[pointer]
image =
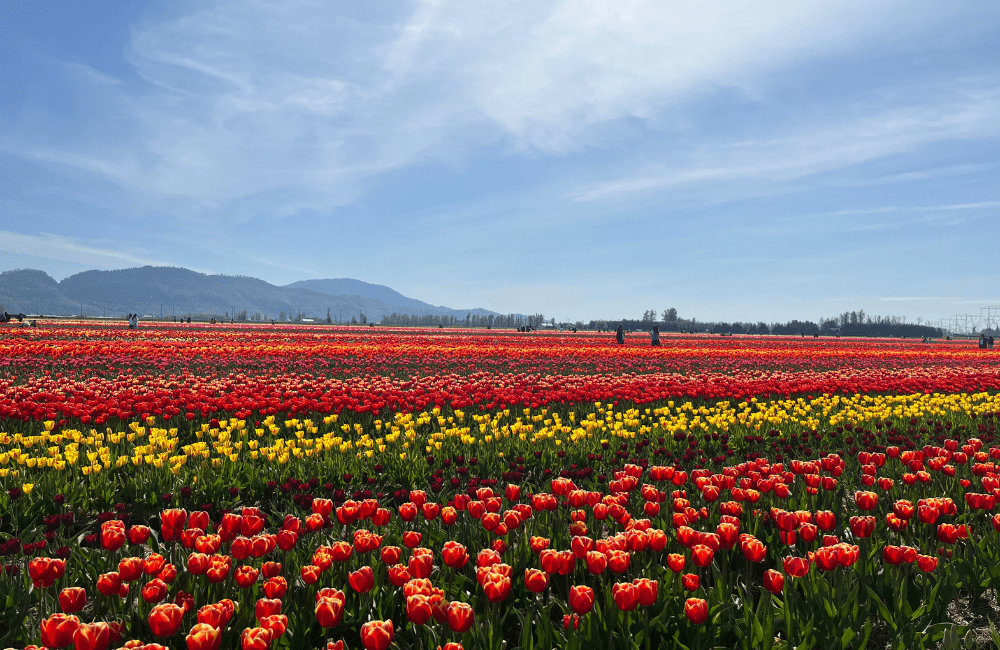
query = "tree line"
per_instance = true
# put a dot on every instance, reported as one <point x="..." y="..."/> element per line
<point x="510" y="321"/>
<point x="852" y="323"/>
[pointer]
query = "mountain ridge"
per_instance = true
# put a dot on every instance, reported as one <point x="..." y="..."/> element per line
<point x="152" y="290"/>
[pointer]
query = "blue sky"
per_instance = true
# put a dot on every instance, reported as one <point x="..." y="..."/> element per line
<point x="736" y="160"/>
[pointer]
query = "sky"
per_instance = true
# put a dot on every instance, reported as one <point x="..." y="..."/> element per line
<point x="735" y="160"/>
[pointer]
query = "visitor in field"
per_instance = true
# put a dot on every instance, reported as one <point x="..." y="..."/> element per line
<point x="620" y="335"/>
<point x="133" y="323"/>
<point x="982" y="341"/>
<point x="655" y="336"/>
<point x="989" y="343"/>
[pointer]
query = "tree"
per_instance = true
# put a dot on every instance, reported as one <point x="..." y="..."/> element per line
<point x="364" y="319"/>
<point x="670" y="315"/>
<point x="328" y="318"/>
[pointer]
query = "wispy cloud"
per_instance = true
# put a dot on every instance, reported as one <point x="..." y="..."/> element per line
<point x="961" y="111"/>
<point x="296" y="96"/>
<point x="57" y="248"/>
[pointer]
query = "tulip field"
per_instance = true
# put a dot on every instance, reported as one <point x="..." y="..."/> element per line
<point x="209" y="487"/>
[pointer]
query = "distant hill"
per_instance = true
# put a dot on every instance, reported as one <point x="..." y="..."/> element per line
<point x="168" y="290"/>
<point x="349" y="287"/>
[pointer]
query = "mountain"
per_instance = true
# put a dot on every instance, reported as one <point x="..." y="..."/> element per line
<point x="349" y="287"/>
<point x="176" y="291"/>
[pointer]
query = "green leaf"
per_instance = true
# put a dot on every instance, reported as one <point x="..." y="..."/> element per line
<point x="882" y="609"/>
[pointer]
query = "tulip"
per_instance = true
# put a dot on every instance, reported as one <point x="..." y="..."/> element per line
<point x="826" y="520"/>
<point x="165" y="619"/>
<point x="454" y="555"/>
<point x="691" y="581"/>
<point x="362" y="580"/>
<point x="866" y="500"/>
<point x="460" y="617"/>
<point x="753" y="550"/>
<point x="310" y="574"/>
<point x="625" y="595"/>
<point x="619" y="561"/>
<point x="696" y="610"/>
<point x="275" y="587"/>
<point x="92" y="636"/>
<point x="581" y="599"/>
<point x="330" y="610"/>
<point x="496" y="585"/>
<point x="212" y="615"/>
<point x="390" y="555"/>
<point x="676" y="562"/>
<point x="862" y="526"/>
<point x="418" y="609"/>
<point x="276" y="623"/>
<point x="109" y="583"/>
<point x="927" y="563"/>
<point x="154" y="591"/>
<point x="203" y="637"/>
<point x="646" y="590"/>
<point x="58" y="630"/>
<point x="256" y="638"/>
<point x="773" y="581"/>
<point x="796" y="567"/>
<point x="130" y="569"/>
<point x="72" y="599"/>
<point x="267" y="607"/>
<point x="537" y="581"/>
<point x="701" y="555"/>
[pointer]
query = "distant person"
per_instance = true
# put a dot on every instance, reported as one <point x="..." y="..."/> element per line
<point x="982" y="341"/>
<point x="989" y="343"/>
<point x="133" y="323"/>
<point x="5" y="318"/>
<point x="189" y="320"/>
<point x="620" y="335"/>
<point x="272" y="321"/>
<point x="654" y="336"/>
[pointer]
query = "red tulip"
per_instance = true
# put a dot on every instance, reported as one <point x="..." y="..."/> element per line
<point x="58" y="630"/>
<point x="362" y="580"/>
<point x="203" y="637"/>
<point x="796" y="567"/>
<point x="701" y="555"/>
<point x="256" y="638"/>
<point x="329" y="609"/>
<point x="496" y="585"/>
<point x="72" y="599"/>
<point x="460" y="617"/>
<point x="454" y="555"/>
<point x="92" y="636"/>
<point x="754" y="550"/>
<point x="154" y="591"/>
<point x="696" y="610"/>
<point x="774" y="581"/>
<point x="109" y="583"/>
<point x="581" y="599"/>
<point x="165" y="619"/>
<point x="536" y="581"/>
<point x="866" y="500"/>
<point x="245" y="576"/>
<point x="690" y="581"/>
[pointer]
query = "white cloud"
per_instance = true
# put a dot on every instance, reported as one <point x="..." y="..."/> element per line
<point x="248" y="98"/>
<point x="57" y="248"/>
<point x="964" y="110"/>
